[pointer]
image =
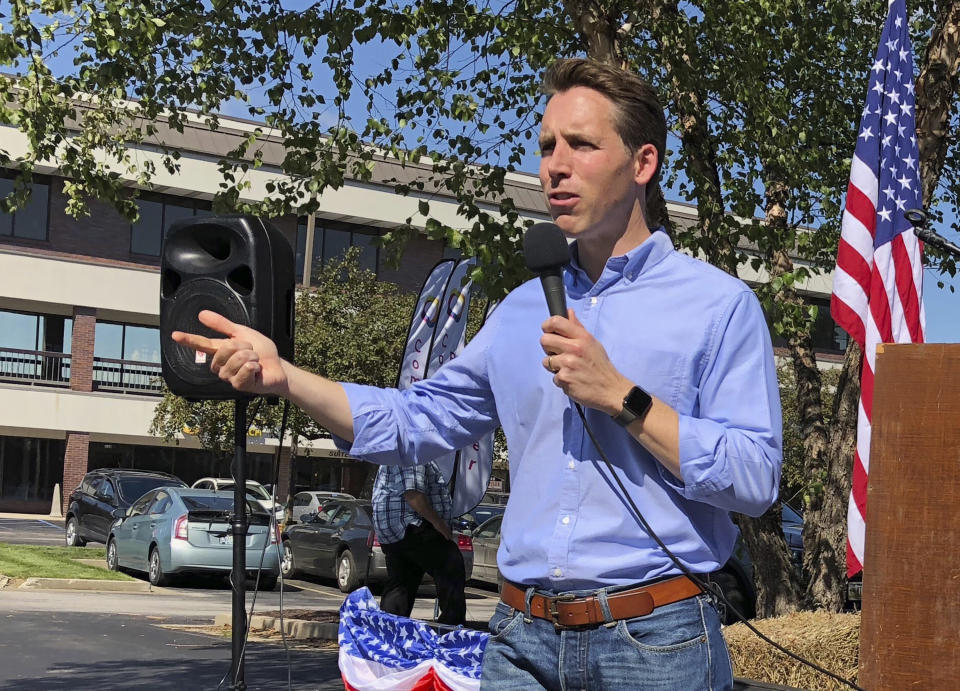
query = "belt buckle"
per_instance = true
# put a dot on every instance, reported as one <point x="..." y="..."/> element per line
<point x="553" y="610"/>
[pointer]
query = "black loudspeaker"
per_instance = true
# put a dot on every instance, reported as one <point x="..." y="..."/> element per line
<point x="238" y="266"/>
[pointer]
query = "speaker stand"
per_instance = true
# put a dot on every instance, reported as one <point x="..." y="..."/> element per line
<point x="238" y="576"/>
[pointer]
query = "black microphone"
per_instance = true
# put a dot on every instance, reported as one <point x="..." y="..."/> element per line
<point x="918" y="219"/>
<point x="546" y="252"/>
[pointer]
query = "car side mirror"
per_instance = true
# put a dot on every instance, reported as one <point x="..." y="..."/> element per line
<point x="119" y="513"/>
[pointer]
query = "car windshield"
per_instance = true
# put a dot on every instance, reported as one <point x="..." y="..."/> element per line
<point x="132" y="488"/>
<point x="253" y="491"/>
<point x="790" y="515"/>
<point x="218" y="503"/>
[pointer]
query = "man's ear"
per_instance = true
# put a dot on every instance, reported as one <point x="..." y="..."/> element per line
<point x="645" y="161"/>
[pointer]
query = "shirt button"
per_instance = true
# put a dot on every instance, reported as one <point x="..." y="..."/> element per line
<point x="593" y="301"/>
<point x="571" y="465"/>
<point x="557" y="572"/>
<point x="566" y="520"/>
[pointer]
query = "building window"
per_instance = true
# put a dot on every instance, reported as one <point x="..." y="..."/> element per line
<point x="332" y="238"/>
<point x="35" y="331"/>
<point x="188" y="464"/>
<point x="827" y="336"/>
<point x="29" y="469"/>
<point x="157" y="213"/>
<point x="127" y="342"/>
<point x="30" y="222"/>
<point x="126" y="357"/>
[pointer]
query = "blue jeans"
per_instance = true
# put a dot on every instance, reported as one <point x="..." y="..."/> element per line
<point x="677" y="647"/>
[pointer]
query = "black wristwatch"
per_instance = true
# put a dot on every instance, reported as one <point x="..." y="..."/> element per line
<point x="636" y="404"/>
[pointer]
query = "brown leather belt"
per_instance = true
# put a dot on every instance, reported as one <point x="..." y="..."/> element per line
<point x="572" y="612"/>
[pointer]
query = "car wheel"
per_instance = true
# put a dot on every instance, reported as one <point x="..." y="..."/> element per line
<point x="72" y="534"/>
<point x="736" y="595"/>
<point x="113" y="559"/>
<point x="155" y="573"/>
<point x="288" y="566"/>
<point x="347" y="577"/>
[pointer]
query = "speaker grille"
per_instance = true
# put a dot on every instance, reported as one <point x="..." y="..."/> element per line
<point x="205" y="294"/>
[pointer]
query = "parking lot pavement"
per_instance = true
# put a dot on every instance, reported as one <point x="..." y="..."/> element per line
<point x="103" y="651"/>
<point x="28" y="530"/>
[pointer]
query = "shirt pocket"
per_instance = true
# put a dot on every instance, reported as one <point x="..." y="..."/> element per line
<point x="660" y="372"/>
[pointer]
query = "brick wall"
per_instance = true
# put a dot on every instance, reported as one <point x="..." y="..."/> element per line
<point x="81" y="354"/>
<point x="74" y="463"/>
<point x="104" y="233"/>
<point x="419" y="256"/>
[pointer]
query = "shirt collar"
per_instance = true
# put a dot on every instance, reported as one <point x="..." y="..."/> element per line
<point x="629" y="266"/>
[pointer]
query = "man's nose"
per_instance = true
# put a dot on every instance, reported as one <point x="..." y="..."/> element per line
<point x="558" y="163"/>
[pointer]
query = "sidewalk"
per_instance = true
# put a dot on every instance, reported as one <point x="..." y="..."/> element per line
<point x="34" y="517"/>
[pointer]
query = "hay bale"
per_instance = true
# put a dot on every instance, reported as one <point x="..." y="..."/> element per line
<point x="830" y="640"/>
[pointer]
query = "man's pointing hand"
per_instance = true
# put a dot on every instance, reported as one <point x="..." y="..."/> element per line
<point x="246" y="359"/>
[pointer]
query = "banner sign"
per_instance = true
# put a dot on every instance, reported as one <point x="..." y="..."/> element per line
<point x="426" y="315"/>
<point x="438" y="332"/>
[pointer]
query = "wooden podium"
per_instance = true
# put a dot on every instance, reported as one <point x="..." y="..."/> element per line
<point x="910" y="626"/>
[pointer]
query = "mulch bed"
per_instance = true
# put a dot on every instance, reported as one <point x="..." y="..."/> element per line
<point x="828" y="639"/>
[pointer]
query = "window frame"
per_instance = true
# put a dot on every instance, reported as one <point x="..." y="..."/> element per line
<point x="45" y="181"/>
<point x="196" y="205"/>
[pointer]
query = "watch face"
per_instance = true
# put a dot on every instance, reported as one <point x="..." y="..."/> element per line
<point x="637" y="401"/>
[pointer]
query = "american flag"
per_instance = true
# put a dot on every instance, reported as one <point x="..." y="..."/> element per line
<point x="877" y="285"/>
<point x="386" y="652"/>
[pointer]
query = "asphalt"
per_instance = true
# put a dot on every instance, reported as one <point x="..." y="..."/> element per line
<point x="69" y="651"/>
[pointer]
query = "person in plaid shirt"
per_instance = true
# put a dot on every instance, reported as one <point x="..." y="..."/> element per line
<point x="411" y="514"/>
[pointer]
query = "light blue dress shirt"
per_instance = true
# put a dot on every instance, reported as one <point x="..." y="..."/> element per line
<point x="685" y="331"/>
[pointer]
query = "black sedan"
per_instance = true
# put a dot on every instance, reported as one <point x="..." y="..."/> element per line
<point x="339" y="543"/>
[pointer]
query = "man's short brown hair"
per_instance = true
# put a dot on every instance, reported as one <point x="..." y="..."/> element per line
<point x="638" y="117"/>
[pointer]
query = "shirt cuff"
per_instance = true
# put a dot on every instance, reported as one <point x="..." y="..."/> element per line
<point x="371" y="441"/>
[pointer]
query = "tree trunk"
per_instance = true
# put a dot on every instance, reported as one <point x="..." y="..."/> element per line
<point x="598" y="29"/>
<point x="935" y="91"/>
<point x="825" y="527"/>
<point x="776" y="579"/>
<point x="698" y="148"/>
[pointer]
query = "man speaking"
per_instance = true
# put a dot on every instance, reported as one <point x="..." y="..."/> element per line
<point x="671" y="363"/>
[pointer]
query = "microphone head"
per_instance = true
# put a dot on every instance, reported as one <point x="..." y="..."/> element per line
<point x="545" y="247"/>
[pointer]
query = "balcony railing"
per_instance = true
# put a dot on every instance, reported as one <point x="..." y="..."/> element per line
<point x="128" y="376"/>
<point x="45" y="368"/>
<point x="39" y="367"/>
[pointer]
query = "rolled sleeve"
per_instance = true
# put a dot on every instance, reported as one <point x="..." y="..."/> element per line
<point x="433" y="417"/>
<point x="731" y="450"/>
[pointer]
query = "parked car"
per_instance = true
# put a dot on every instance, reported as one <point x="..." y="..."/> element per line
<point x="255" y="491"/>
<point x="339" y="543"/>
<point x="471" y="520"/>
<point x="735" y="578"/>
<point x="105" y="494"/>
<point x="172" y="531"/>
<point x="486" y="542"/>
<point x="313" y="502"/>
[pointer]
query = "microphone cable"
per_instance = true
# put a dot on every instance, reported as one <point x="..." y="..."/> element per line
<point x="709" y="586"/>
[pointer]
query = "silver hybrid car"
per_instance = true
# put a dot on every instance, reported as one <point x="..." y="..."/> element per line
<point x="177" y="530"/>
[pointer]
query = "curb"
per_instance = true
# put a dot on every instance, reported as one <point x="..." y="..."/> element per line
<point x="87" y="584"/>
<point x="293" y="628"/>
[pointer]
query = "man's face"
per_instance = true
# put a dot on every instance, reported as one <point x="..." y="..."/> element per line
<point x="589" y="177"/>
